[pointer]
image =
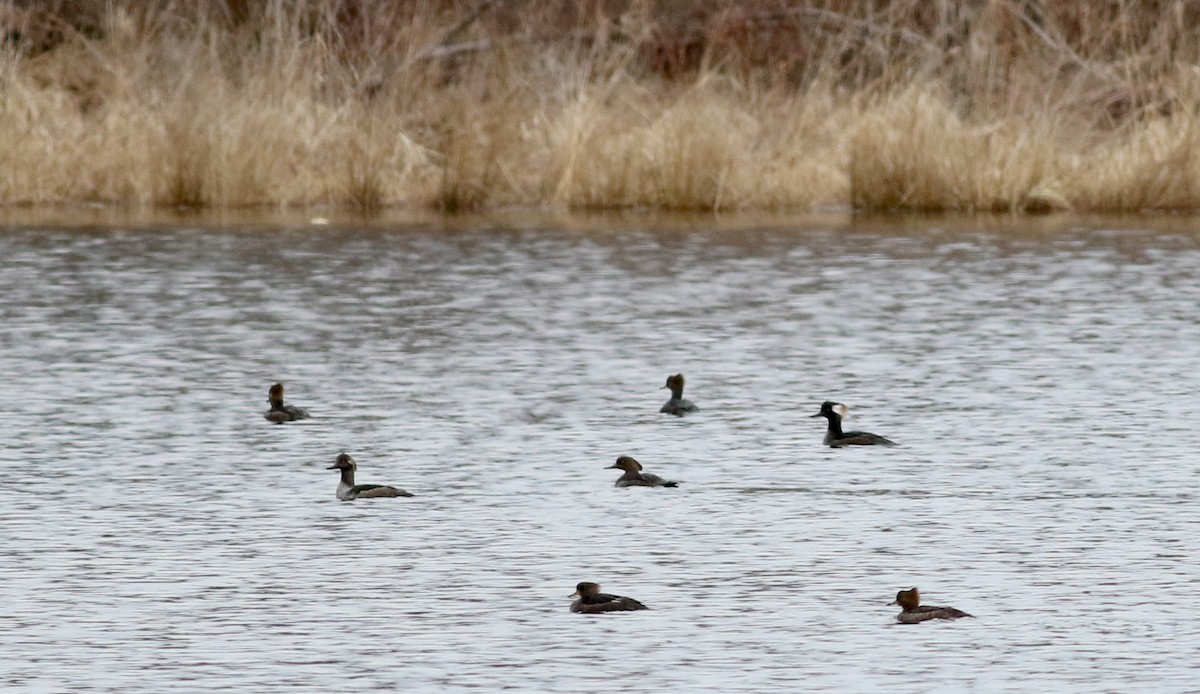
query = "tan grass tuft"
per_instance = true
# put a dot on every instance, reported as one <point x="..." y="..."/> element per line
<point x="913" y="152"/>
<point x="633" y="150"/>
<point x="1156" y="168"/>
<point x="705" y="149"/>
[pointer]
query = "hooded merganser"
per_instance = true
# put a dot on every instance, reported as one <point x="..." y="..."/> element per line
<point x="677" y="405"/>
<point x="634" y="477"/>
<point x="913" y="612"/>
<point x="279" y="412"/>
<point x="347" y="490"/>
<point x="592" y="601"/>
<point x="836" y="438"/>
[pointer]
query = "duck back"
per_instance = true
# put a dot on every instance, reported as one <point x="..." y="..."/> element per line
<point x="925" y="613"/>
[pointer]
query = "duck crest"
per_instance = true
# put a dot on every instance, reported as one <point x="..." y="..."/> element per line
<point x="627" y="463"/>
<point x="275" y="395"/>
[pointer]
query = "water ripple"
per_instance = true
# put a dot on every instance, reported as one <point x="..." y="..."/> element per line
<point x="158" y="532"/>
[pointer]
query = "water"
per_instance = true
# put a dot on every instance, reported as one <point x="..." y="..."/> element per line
<point x="158" y="532"/>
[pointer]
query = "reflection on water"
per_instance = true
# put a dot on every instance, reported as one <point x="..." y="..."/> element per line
<point x="158" y="531"/>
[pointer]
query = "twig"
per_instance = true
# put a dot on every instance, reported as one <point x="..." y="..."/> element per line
<point x="446" y="46"/>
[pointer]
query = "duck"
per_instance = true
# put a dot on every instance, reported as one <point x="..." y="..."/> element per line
<point x="592" y="601"/>
<point x="279" y="412"/>
<point x="347" y="490"/>
<point x="913" y="612"/>
<point x="677" y="405"/>
<point x="634" y="477"/>
<point x="836" y="438"/>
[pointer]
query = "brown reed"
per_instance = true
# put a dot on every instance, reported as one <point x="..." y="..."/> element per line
<point x="994" y="106"/>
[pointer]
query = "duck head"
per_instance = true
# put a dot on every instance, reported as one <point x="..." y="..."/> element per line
<point x="675" y="383"/>
<point x="831" y="409"/>
<point x="586" y="588"/>
<point x="907" y="599"/>
<point x="627" y="464"/>
<point x="275" y="395"/>
<point x="343" y="462"/>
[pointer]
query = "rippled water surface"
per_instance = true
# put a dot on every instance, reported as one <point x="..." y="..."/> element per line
<point x="158" y="533"/>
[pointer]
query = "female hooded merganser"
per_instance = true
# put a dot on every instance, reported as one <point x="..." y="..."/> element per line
<point x="347" y="490"/>
<point x="592" y="601"/>
<point x="677" y="405"/>
<point x="279" y="412"/>
<point x="913" y="612"/>
<point x="836" y="438"/>
<point x="634" y="477"/>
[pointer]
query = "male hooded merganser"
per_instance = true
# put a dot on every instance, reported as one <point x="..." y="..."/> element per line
<point x="279" y="412"/>
<point x="634" y="477"/>
<point x="913" y="612"/>
<point x="592" y="601"/>
<point x="347" y="490"/>
<point x="836" y="438"/>
<point x="677" y="405"/>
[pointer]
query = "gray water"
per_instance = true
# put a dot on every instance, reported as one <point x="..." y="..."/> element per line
<point x="157" y="534"/>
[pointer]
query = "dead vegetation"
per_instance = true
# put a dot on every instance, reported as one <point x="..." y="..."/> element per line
<point x="990" y="105"/>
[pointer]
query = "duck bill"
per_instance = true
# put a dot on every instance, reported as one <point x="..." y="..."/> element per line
<point x="819" y="414"/>
<point x="575" y="595"/>
<point x="333" y="467"/>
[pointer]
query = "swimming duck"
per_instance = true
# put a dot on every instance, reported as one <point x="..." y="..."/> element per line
<point x="592" y="601"/>
<point x="279" y="412"/>
<point x="347" y="490"/>
<point x="677" y="405"/>
<point x="634" y="477"/>
<point x="836" y="438"/>
<point x="913" y="612"/>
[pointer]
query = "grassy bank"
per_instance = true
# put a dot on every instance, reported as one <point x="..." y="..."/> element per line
<point x="473" y="104"/>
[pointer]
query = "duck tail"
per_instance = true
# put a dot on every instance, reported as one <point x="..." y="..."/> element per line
<point x="670" y="484"/>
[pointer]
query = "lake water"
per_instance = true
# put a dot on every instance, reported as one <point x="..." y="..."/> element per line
<point x="158" y="534"/>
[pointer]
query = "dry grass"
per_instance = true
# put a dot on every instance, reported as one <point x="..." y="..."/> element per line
<point x="702" y="149"/>
<point x="912" y="151"/>
<point x="460" y="105"/>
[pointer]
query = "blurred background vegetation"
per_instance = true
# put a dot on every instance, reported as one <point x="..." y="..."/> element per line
<point x="984" y="105"/>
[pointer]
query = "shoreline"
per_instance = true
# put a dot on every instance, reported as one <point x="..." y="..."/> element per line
<point x="93" y="217"/>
